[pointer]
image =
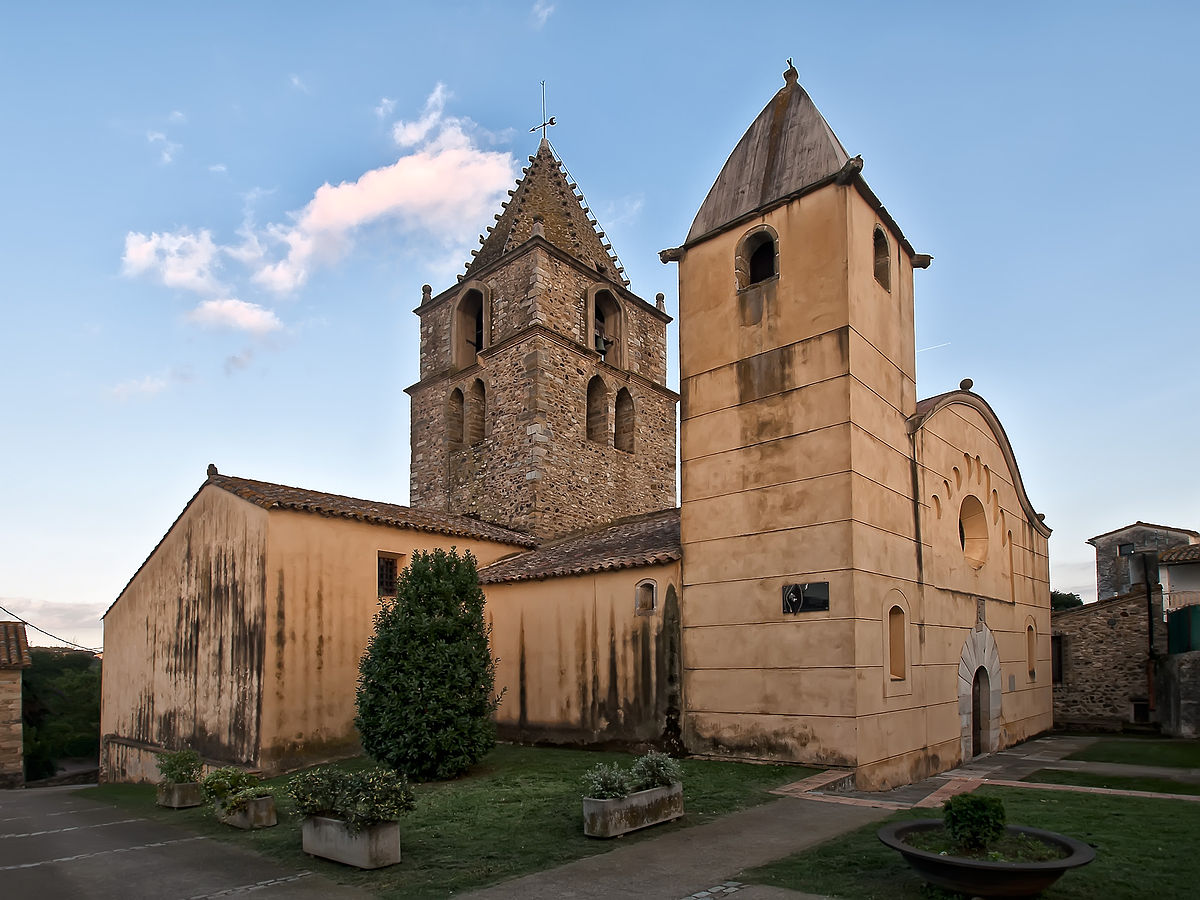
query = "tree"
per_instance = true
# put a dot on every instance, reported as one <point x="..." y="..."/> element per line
<point x="1064" y="600"/>
<point x="426" y="681"/>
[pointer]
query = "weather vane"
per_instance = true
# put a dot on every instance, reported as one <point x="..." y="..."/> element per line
<point x="546" y="123"/>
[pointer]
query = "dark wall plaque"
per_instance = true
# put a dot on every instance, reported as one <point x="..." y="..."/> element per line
<point x="798" y="598"/>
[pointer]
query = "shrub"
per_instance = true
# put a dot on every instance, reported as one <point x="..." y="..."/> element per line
<point x="426" y="681"/>
<point x="654" y="770"/>
<point x="607" y="782"/>
<point x="220" y="784"/>
<point x="179" y="766"/>
<point x="974" y="822"/>
<point x="236" y="801"/>
<point x="359" y="799"/>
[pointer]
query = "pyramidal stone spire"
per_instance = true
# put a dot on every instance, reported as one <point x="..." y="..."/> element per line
<point x="545" y="203"/>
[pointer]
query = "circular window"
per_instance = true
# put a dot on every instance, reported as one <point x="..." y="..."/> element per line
<point x="972" y="531"/>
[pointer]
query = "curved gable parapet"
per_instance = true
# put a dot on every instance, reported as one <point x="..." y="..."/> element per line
<point x="930" y="406"/>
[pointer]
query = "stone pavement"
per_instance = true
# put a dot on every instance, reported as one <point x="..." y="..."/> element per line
<point x="54" y="845"/>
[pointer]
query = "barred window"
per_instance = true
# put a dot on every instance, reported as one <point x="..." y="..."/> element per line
<point x="388" y="572"/>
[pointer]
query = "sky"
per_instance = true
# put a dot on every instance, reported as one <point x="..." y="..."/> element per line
<point x="216" y="221"/>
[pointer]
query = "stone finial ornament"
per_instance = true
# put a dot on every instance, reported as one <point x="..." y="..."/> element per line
<point x="212" y="470"/>
<point x="426" y="293"/>
<point x="966" y="384"/>
<point x="791" y="76"/>
<point x="660" y="301"/>
<point x="539" y="229"/>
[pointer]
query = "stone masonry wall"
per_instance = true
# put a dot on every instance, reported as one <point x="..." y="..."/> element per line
<point x="1104" y="654"/>
<point x="11" y="750"/>
<point x="1112" y="571"/>
<point x="1179" y="694"/>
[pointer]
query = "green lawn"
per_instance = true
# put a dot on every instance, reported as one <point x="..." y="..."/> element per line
<point x="1115" y="782"/>
<point x="1143" y="849"/>
<point x="1182" y="754"/>
<point x="517" y="812"/>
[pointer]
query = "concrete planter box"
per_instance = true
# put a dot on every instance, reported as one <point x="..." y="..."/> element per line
<point x="374" y="847"/>
<point x="181" y="795"/>
<point x="609" y="818"/>
<point x="257" y="813"/>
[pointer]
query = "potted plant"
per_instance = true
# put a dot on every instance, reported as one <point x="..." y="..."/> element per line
<point x="973" y="851"/>
<point x="180" y="785"/>
<point x="239" y="798"/>
<point x="351" y="817"/>
<point x="617" y="801"/>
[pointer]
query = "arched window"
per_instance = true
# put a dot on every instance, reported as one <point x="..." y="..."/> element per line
<point x="896" y="660"/>
<point x="469" y="328"/>
<point x="1031" y="651"/>
<point x="757" y="257"/>
<point x="454" y="418"/>
<point x="606" y="327"/>
<point x="645" y="598"/>
<point x="597" y="410"/>
<point x="623" y="418"/>
<point x="972" y="531"/>
<point x="883" y="260"/>
<point x="475" y="427"/>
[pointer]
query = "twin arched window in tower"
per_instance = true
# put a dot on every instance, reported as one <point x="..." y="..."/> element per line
<point x="470" y="326"/>
<point x="597" y="416"/>
<point x="757" y="259"/>
<point x="466" y="415"/>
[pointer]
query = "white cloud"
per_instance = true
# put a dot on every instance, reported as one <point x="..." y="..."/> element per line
<point x="166" y="148"/>
<point x="72" y="621"/>
<point x="235" y="314"/>
<point x="407" y="134"/>
<point x="146" y="386"/>
<point x="181" y="259"/>
<point x="219" y="168"/>
<point x="541" y="12"/>
<point x="385" y="107"/>
<point x="295" y="81"/>
<point x="177" y="117"/>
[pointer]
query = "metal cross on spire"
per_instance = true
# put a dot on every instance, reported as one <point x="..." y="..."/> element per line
<point x="546" y="123"/>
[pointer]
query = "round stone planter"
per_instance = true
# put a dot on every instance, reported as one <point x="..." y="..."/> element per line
<point x="374" y="847"/>
<point x="610" y="818"/>
<point x="981" y="877"/>
<point x="179" y="795"/>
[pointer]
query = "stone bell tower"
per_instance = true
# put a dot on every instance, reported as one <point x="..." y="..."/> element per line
<point x="543" y="404"/>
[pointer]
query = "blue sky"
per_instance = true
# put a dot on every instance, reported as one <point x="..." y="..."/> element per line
<point x="217" y="220"/>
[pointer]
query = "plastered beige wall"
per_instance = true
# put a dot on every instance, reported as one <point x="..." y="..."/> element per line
<point x="577" y="664"/>
<point x="184" y="641"/>
<point x="322" y="596"/>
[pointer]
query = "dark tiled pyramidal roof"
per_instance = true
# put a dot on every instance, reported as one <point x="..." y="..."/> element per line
<point x="545" y="193"/>
<point x="14" y="648"/>
<point x="645" y="540"/>
<point x="280" y="496"/>
<point x="1186" y="554"/>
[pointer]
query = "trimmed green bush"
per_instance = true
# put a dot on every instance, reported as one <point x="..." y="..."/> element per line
<point x="426" y="684"/>
<point x="607" y="782"/>
<point x="360" y="799"/>
<point x="972" y="821"/>
<point x="613" y="781"/>
<point x="229" y="788"/>
<point x="654" y="770"/>
<point x="179" y="766"/>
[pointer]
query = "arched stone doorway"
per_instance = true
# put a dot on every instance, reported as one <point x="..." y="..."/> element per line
<point x="979" y="694"/>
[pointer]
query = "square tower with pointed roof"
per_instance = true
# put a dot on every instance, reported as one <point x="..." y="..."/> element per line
<point x="543" y="404"/>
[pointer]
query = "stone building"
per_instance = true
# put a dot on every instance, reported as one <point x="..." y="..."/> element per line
<point x="854" y="577"/>
<point x="1118" y="566"/>
<point x="14" y="656"/>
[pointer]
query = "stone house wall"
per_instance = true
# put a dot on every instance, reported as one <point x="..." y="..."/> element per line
<point x="1179" y="694"/>
<point x="1112" y="569"/>
<point x="1104" y="656"/>
<point x="11" y="750"/>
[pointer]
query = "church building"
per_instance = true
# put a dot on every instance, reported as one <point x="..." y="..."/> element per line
<point x="854" y="577"/>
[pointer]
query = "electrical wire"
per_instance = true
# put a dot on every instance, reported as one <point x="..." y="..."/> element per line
<point x="48" y="634"/>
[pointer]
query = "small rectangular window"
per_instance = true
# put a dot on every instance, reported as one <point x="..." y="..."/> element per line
<point x="1124" y="549"/>
<point x="388" y="572"/>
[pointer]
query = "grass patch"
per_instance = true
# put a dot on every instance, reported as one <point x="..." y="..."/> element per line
<point x="1113" y="782"/>
<point x="1136" y="855"/>
<point x="517" y="812"/>
<point x="1180" y="754"/>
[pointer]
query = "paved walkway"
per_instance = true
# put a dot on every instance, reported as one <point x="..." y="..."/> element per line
<point x="54" y="844"/>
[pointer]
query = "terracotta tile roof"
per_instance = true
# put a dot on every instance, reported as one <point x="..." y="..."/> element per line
<point x="646" y="540"/>
<point x="1186" y="554"/>
<point x="545" y="192"/>
<point x="14" y="648"/>
<point x="280" y="496"/>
